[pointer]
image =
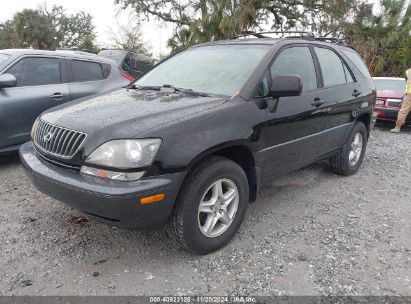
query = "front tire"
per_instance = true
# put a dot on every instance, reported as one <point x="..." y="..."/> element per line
<point x="350" y="157"/>
<point x="211" y="206"/>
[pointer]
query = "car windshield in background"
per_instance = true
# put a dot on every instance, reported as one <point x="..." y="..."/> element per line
<point x="116" y="55"/>
<point x="218" y="69"/>
<point x="397" y="85"/>
<point x="3" y="58"/>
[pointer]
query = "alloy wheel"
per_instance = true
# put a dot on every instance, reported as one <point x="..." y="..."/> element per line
<point x="218" y="208"/>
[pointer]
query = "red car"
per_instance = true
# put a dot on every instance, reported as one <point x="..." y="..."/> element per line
<point x="390" y="92"/>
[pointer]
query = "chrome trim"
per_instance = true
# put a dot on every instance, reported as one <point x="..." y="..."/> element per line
<point x="59" y="142"/>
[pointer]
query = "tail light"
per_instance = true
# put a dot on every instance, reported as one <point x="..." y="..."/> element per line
<point x="125" y="75"/>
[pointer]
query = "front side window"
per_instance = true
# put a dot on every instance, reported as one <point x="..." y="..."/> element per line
<point x="217" y="69"/>
<point x="296" y="61"/>
<point x="331" y="66"/>
<point x="33" y="71"/>
<point x="86" y="71"/>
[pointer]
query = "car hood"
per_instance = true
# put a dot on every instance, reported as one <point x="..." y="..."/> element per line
<point x="127" y="113"/>
<point x="390" y="94"/>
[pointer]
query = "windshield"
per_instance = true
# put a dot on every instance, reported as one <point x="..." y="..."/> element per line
<point x="397" y="85"/>
<point x="218" y="69"/>
<point x="3" y="58"/>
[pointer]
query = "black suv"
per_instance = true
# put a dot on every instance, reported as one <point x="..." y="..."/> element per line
<point x="194" y="139"/>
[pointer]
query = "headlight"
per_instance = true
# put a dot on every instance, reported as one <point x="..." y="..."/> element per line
<point x="380" y="102"/>
<point x="124" y="160"/>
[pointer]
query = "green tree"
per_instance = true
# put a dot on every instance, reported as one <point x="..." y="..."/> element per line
<point x="199" y="21"/>
<point x="384" y="39"/>
<point x="129" y="37"/>
<point x="70" y="31"/>
<point x="49" y="29"/>
<point x="33" y="28"/>
<point x="8" y="39"/>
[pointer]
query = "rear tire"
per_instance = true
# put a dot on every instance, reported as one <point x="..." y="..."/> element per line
<point x="191" y="224"/>
<point x="351" y="155"/>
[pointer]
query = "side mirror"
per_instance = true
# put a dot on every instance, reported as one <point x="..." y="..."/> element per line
<point x="284" y="86"/>
<point x="7" y="81"/>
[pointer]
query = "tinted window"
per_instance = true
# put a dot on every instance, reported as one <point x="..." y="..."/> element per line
<point x="106" y="70"/>
<point x="296" y="61"/>
<point x="3" y="58"/>
<point x="86" y="71"/>
<point x="217" y="69"/>
<point x="36" y="71"/>
<point x="262" y="89"/>
<point x="358" y="62"/>
<point x="331" y="66"/>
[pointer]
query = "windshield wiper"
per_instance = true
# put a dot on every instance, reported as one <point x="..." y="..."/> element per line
<point x="185" y="91"/>
<point x="168" y="87"/>
<point x="144" y="88"/>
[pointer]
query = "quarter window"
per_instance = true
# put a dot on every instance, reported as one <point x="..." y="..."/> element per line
<point x="86" y="71"/>
<point x="262" y="90"/>
<point x="296" y="61"/>
<point x="358" y="62"/>
<point x="331" y="66"/>
<point x="36" y="71"/>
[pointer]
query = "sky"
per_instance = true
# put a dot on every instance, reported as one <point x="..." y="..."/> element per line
<point x="106" y="15"/>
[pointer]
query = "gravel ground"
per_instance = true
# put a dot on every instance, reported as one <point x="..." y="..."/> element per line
<point x="310" y="233"/>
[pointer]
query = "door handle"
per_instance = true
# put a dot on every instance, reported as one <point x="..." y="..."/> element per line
<point x="57" y="96"/>
<point x="356" y="93"/>
<point x="318" y="102"/>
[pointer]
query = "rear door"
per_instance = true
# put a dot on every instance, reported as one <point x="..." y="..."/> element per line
<point x="86" y="78"/>
<point x="341" y="93"/>
<point x="294" y="124"/>
<point x="41" y="84"/>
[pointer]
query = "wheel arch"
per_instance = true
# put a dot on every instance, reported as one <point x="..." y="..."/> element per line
<point x="365" y="118"/>
<point x="239" y="153"/>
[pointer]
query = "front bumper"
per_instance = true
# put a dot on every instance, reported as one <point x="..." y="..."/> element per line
<point x="390" y="114"/>
<point x="116" y="203"/>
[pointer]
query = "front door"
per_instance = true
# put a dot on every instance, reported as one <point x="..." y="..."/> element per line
<point x="294" y="124"/>
<point x="40" y="86"/>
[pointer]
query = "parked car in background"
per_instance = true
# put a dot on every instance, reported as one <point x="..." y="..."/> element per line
<point x="390" y="92"/>
<point x="33" y="81"/>
<point x="192" y="141"/>
<point x="133" y="63"/>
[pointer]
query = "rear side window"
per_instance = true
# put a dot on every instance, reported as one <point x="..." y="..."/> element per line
<point x="358" y="62"/>
<point x="296" y="61"/>
<point x="331" y="66"/>
<point x="33" y="71"/>
<point x="86" y="71"/>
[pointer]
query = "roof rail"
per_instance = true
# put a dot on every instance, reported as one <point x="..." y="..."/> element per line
<point x="293" y="35"/>
<point x="298" y="34"/>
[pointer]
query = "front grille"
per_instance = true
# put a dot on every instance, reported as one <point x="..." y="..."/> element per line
<point x="394" y="103"/>
<point x="57" y="141"/>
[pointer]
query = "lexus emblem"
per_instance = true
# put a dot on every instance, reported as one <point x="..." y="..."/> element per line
<point x="48" y="137"/>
